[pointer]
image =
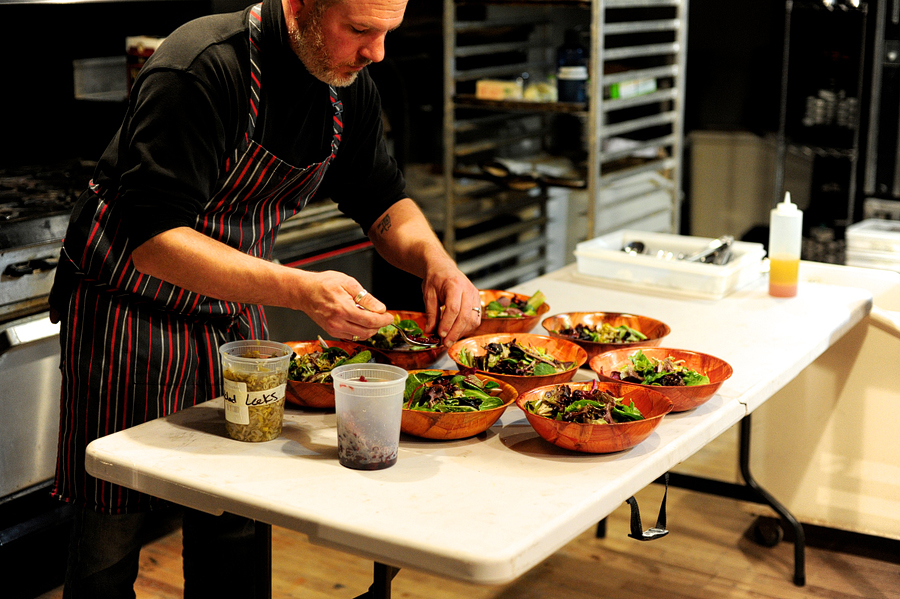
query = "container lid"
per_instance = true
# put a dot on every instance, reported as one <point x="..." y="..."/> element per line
<point x="573" y="72"/>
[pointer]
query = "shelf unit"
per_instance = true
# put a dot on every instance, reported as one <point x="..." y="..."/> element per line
<point x="823" y="64"/>
<point x="612" y="163"/>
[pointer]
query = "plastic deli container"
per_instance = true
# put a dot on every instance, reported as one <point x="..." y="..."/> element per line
<point x="368" y="403"/>
<point x="602" y="259"/>
<point x="255" y="379"/>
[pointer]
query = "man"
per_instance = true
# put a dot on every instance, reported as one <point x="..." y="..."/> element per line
<point x="234" y="123"/>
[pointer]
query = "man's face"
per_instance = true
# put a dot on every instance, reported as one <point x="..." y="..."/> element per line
<point x="336" y="43"/>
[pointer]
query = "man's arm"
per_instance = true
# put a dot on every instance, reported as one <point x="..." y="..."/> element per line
<point x="404" y="238"/>
<point x="189" y="259"/>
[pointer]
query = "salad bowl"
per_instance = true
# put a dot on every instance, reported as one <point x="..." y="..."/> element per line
<point x="599" y="438"/>
<point x="407" y="356"/>
<point x="683" y="397"/>
<point x="455" y="425"/>
<point x="506" y="324"/>
<point x="654" y="330"/>
<point x="557" y="348"/>
<point x="320" y="395"/>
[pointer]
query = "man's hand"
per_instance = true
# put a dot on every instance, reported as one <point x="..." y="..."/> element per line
<point x="452" y="302"/>
<point x="405" y="239"/>
<point x="331" y="301"/>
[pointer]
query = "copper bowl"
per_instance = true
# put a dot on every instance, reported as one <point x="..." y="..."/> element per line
<point x="600" y="438"/>
<point x="521" y="324"/>
<point x="320" y="395"/>
<point x="456" y="425"/>
<point x="683" y="398"/>
<point x="654" y="329"/>
<point x="408" y="357"/>
<point x="560" y="349"/>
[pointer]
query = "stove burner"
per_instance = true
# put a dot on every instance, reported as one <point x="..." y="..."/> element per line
<point x="36" y="201"/>
<point x="41" y="190"/>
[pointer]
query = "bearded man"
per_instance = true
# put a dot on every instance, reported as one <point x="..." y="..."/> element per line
<point x="233" y="125"/>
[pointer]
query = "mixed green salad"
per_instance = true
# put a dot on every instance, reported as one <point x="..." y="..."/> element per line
<point x="646" y="370"/>
<point x="514" y="358"/>
<point x="435" y="391"/>
<point x="316" y="367"/>
<point x="584" y="406"/>
<point x="511" y="307"/>
<point x="389" y="337"/>
<point x="605" y="333"/>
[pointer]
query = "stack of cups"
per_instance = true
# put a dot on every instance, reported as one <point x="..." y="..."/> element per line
<point x="368" y="403"/>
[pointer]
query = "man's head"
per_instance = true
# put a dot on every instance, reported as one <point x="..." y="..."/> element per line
<point x="336" y="39"/>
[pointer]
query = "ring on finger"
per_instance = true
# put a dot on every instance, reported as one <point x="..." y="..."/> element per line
<point x="478" y="309"/>
<point x="355" y="338"/>
<point x="360" y="295"/>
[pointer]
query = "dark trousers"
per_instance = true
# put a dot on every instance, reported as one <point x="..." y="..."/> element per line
<point x="104" y="553"/>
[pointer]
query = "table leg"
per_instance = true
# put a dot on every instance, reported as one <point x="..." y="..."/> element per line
<point x="799" y="536"/>
<point x="263" y="546"/>
<point x="749" y="491"/>
<point x="381" y="587"/>
<point x="601" y="529"/>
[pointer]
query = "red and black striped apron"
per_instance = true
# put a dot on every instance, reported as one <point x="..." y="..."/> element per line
<point x="134" y="347"/>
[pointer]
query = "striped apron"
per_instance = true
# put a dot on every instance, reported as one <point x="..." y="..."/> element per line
<point x="135" y="348"/>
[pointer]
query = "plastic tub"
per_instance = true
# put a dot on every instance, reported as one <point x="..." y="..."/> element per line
<point x="368" y="403"/>
<point x="604" y="259"/>
<point x="255" y="379"/>
<point x="875" y="235"/>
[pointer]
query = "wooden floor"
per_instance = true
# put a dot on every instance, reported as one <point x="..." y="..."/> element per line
<point x="706" y="555"/>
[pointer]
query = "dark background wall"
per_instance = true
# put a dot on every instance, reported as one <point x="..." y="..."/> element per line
<point x="733" y="72"/>
<point x="734" y="65"/>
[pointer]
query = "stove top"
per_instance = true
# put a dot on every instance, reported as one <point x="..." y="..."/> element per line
<point x="36" y="200"/>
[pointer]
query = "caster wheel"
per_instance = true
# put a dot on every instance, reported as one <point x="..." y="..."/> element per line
<point x="767" y="532"/>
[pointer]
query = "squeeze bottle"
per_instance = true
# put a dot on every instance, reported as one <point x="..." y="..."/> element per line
<point x="785" y="235"/>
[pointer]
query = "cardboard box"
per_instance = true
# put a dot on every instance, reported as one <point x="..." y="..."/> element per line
<point x="495" y="89"/>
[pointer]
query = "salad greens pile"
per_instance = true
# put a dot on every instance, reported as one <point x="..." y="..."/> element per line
<point x="510" y="307"/>
<point x="434" y="391"/>
<point x="316" y="367"/>
<point x="592" y="406"/>
<point x="646" y="370"/>
<point x="389" y="338"/>
<point x="605" y="333"/>
<point x="514" y="358"/>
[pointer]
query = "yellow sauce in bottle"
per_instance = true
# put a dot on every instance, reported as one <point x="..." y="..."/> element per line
<point x="783" y="275"/>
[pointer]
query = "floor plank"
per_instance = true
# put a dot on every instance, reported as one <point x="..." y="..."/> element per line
<point x="706" y="555"/>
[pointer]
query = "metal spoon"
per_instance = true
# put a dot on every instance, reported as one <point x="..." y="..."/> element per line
<point x="415" y="341"/>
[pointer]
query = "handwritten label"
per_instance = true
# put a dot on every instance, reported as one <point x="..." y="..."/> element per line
<point x="238" y="400"/>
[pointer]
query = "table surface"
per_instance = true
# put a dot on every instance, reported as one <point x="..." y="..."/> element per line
<point x="489" y="508"/>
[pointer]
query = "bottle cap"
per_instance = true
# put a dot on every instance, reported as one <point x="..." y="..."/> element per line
<point x="786" y="207"/>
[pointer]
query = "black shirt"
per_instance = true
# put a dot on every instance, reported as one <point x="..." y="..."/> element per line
<point x="190" y="107"/>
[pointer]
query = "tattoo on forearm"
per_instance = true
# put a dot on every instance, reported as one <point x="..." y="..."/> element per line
<point x="385" y="224"/>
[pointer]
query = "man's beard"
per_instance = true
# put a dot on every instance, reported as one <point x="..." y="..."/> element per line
<point x="309" y="45"/>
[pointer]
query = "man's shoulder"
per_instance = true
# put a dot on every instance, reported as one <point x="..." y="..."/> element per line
<point x="211" y="34"/>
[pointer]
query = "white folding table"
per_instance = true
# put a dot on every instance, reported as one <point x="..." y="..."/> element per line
<point x="521" y="498"/>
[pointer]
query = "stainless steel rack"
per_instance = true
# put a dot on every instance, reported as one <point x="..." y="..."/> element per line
<point x="612" y="185"/>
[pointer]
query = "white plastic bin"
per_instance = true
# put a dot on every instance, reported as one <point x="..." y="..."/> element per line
<point x="603" y="258"/>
